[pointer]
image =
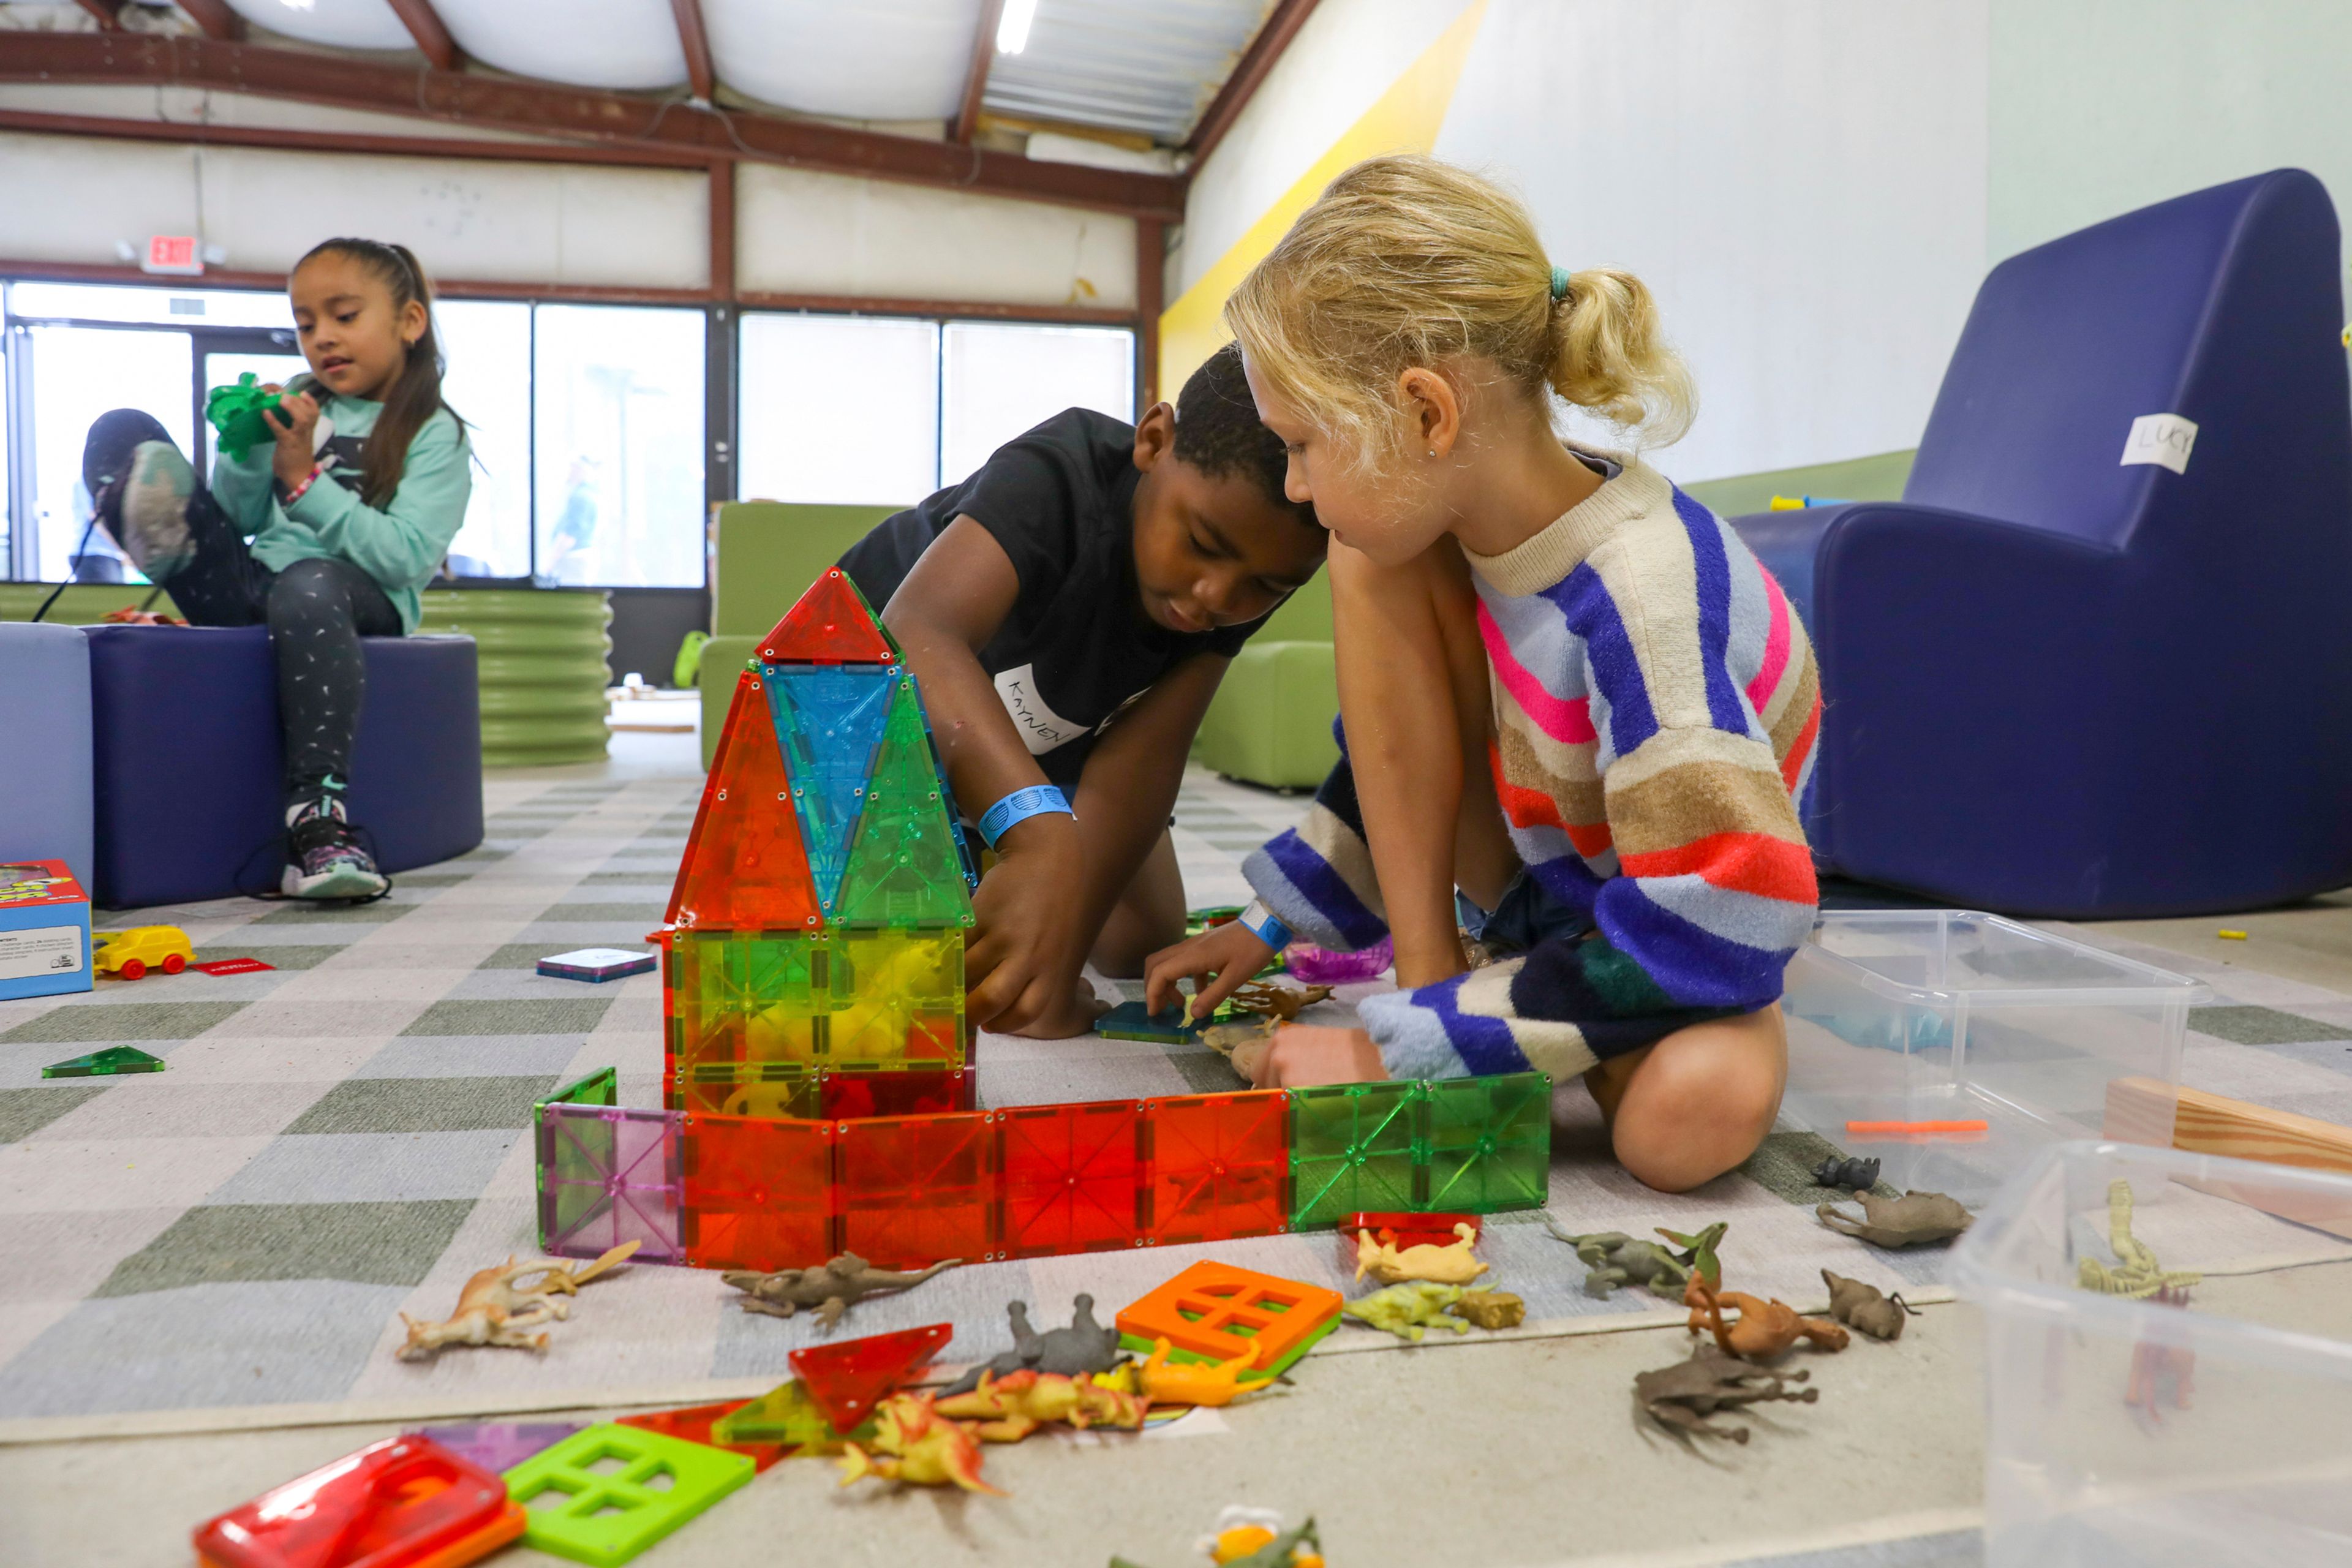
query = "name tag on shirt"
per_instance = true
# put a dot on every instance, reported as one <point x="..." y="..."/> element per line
<point x="1041" y="729"/>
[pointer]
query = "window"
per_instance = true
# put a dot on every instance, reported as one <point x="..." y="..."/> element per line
<point x="80" y="372"/>
<point x="137" y="305"/>
<point x="838" y="408"/>
<point x="999" y="378"/>
<point x="618" y="421"/>
<point x="485" y="348"/>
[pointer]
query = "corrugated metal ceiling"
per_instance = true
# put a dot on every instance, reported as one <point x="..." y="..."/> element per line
<point x="1143" y="65"/>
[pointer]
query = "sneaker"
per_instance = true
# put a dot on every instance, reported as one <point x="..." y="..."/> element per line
<point x="327" y="860"/>
<point x="151" y="520"/>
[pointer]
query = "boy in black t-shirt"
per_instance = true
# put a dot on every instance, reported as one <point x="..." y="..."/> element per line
<point x="1069" y="610"/>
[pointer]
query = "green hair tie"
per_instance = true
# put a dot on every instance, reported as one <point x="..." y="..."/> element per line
<point x="1559" y="284"/>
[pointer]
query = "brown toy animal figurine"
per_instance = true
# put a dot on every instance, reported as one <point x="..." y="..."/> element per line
<point x="1283" y="1003"/>
<point x="1764" y="1328"/>
<point x="492" y="1311"/>
<point x="1490" y="1309"/>
<point x="1914" y="1219"/>
<point x="829" y="1291"/>
<point x="1682" y="1396"/>
<point x="1864" y="1309"/>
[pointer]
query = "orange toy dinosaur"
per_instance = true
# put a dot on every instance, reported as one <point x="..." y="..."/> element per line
<point x="1764" y="1330"/>
<point x="914" y="1443"/>
<point x="491" y="1311"/>
<point x="1168" y="1382"/>
<point x="1007" y="1409"/>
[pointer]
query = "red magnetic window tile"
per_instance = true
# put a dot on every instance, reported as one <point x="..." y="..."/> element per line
<point x="759" y="1194"/>
<point x="1072" y="1182"/>
<point x="1220" y="1165"/>
<point x="916" y="1092"/>
<point x="404" y="1500"/>
<point x="914" y="1189"/>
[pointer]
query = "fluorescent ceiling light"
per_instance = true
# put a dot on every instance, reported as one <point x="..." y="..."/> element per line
<point x="1012" y="27"/>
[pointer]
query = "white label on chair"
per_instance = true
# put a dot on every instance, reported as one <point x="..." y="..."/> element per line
<point x="2163" y="439"/>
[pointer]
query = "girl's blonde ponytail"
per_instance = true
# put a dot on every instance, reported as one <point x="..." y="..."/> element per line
<point x="1409" y="261"/>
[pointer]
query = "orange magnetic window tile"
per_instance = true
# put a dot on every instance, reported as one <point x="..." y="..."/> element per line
<point x="744" y="868"/>
<point x="1217" y="1310"/>
<point x="831" y="625"/>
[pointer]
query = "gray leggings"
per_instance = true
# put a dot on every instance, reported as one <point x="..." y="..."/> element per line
<point x="317" y="611"/>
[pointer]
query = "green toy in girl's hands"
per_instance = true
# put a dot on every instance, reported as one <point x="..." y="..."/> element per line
<point x="236" y="412"/>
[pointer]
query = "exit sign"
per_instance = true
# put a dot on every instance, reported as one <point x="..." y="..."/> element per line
<point x="174" y="254"/>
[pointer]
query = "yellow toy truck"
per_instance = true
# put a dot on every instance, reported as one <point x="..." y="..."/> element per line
<point x="128" y="955"/>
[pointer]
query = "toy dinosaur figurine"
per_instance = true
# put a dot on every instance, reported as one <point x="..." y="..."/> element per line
<point x="1007" y="1409"/>
<point x="1254" y="1538"/>
<point x="1914" y="1219"/>
<point x="1682" y="1397"/>
<point x="1490" y="1309"/>
<point x="1406" y="1311"/>
<point x="2136" y="1275"/>
<point x="1855" y="1173"/>
<point x="1613" y="1259"/>
<point x="914" y="1443"/>
<point x="2155" y="1365"/>
<point x="1082" y="1348"/>
<point x="1698" y="1252"/>
<point x="1167" y="1382"/>
<point x="1863" y="1307"/>
<point x="1449" y="1265"/>
<point x="491" y="1311"/>
<point x="829" y="1291"/>
<point x="1763" y="1329"/>
<point x="1281" y="1003"/>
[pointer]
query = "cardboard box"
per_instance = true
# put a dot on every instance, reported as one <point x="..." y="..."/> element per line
<point x="44" y="930"/>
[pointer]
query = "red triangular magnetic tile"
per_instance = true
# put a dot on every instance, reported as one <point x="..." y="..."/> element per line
<point x="845" y="1379"/>
<point x="744" y="869"/>
<point x="831" y="625"/>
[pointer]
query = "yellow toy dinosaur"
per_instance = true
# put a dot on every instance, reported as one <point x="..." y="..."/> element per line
<point x="1007" y="1409"/>
<point x="1168" y="1382"/>
<point x="1451" y="1265"/>
<point x="915" y="1444"/>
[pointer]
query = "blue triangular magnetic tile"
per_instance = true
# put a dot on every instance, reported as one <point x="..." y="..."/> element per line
<point x="828" y="719"/>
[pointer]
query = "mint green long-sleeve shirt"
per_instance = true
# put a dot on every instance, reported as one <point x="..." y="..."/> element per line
<point x="400" y="545"/>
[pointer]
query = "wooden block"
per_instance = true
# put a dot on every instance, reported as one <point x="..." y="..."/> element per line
<point x="2207" y="1123"/>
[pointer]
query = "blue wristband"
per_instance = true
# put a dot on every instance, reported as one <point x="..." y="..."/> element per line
<point x="1019" y="806"/>
<point x="1263" y="924"/>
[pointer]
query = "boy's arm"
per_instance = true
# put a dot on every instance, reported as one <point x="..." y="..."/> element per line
<point x="1131" y="778"/>
<point x="1027" y="943"/>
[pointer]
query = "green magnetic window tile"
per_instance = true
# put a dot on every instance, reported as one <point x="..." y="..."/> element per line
<point x="1488" y="1142"/>
<point x="604" y="1494"/>
<point x="1353" y="1148"/>
<point x="905" y="867"/>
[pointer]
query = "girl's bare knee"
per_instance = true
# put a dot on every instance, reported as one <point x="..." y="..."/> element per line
<point x="1702" y="1102"/>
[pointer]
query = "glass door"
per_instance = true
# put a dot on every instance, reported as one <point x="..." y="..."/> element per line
<point x="76" y="374"/>
<point x="222" y="357"/>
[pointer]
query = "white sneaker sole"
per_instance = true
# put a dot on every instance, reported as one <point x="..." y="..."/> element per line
<point x="341" y="882"/>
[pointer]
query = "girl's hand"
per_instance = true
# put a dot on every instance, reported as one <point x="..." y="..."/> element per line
<point x="296" y="421"/>
<point x="1305" y="1054"/>
<point x="1218" y="961"/>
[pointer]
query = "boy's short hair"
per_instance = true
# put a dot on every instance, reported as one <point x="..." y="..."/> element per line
<point x="1218" y="431"/>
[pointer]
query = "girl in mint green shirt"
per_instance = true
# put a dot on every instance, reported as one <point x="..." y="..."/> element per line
<point x="325" y="535"/>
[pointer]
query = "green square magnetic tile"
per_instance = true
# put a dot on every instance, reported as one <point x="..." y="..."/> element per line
<point x="1488" y="1143"/>
<point x="364" y="1243"/>
<point x="529" y="1016"/>
<point x="424" y="1105"/>
<point x="786" y="1414"/>
<point x="593" y="1496"/>
<point x="98" y="1021"/>
<point x="602" y="1087"/>
<point x="1351" y="1148"/>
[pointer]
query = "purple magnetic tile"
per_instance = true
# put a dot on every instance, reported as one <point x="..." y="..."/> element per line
<point x="499" y="1444"/>
<point x="607" y="1176"/>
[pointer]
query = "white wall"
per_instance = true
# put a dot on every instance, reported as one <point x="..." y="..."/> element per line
<point x="799" y="232"/>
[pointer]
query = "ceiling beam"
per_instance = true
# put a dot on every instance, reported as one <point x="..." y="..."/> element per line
<point x="217" y="134"/>
<point x="618" y="121"/>
<point x="423" y="25"/>
<point x="699" y="74"/>
<point x="975" y="80"/>
<point x="215" y="19"/>
<point x="1280" y="27"/>
<point x="108" y="12"/>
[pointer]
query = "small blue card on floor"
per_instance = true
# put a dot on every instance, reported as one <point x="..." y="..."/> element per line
<point x="597" y="964"/>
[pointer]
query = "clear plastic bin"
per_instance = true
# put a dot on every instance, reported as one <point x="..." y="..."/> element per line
<point x="2132" y="1434"/>
<point x="1907" y="1017"/>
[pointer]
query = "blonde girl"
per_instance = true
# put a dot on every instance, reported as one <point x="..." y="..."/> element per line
<point x="1577" y="712"/>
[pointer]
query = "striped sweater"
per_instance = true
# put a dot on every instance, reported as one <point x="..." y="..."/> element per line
<point x="1655" y="705"/>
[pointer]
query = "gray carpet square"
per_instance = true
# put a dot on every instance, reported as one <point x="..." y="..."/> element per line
<point x="476" y="1056"/>
<point x="25" y="1111"/>
<point x="369" y="1167"/>
<point x="166" y="1105"/>
<point x="538" y="1015"/>
<point x="1783" y="1164"/>
<point x="1947" y="1549"/>
<point x="381" y="912"/>
<point x="650" y="879"/>
<point x="649" y="911"/>
<point x="124" y="1021"/>
<point x="482" y="853"/>
<point x="433" y="879"/>
<point x="2263" y="1026"/>
<point x="364" y="1243"/>
<point x="289" y="1340"/>
<point x="424" y="1105"/>
<point x="1206" y="1072"/>
<point x="277" y="955"/>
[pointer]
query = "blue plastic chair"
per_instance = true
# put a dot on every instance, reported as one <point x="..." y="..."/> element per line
<point x="2060" y="685"/>
<point x="45" y="746"/>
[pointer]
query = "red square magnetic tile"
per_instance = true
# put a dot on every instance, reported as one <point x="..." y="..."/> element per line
<point x="758" y="1193"/>
<point x="915" y="1189"/>
<point x="1072" y="1179"/>
<point x="1220" y="1165"/>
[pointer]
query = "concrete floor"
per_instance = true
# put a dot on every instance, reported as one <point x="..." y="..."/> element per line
<point x="1520" y="1452"/>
